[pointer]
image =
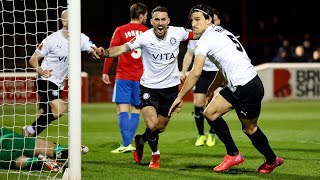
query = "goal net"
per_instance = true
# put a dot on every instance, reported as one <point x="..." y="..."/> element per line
<point x="24" y="24"/>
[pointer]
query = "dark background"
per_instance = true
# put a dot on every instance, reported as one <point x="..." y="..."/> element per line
<point x="262" y="25"/>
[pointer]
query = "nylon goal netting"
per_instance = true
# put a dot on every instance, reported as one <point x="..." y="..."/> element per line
<point x="24" y="24"/>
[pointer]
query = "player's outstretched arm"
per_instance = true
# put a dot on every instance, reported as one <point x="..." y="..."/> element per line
<point x="117" y="51"/>
<point x="193" y="76"/>
<point x="186" y="63"/>
<point x="191" y="80"/>
<point x="111" y="52"/>
<point x="176" y="106"/>
<point x="97" y="53"/>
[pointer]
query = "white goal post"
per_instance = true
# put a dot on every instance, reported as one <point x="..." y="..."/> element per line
<point x="24" y="24"/>
<point x="74" y="172"/>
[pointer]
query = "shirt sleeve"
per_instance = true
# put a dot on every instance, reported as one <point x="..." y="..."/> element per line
<point x="86" y="44"/>
<point x="136" y="42"/>
<point x="44" y="48"/>
<point x="106" y="65"/>
<point x="191" y="45"/>
<point x="183" y="33"/>
<point x="189" y="34"/>
<point x="201" y="47"/>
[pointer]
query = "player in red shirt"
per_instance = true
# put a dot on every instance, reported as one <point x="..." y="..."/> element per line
<point x="128" y="74"/>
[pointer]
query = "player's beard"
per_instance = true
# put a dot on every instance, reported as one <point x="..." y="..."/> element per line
<point x="161" y="33"/>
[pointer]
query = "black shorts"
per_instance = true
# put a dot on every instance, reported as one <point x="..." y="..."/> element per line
<point x="47" y="91"/>
<point x="246" y="100"/>
<point x="204" y="81"/>
<point x="161" y="99"/>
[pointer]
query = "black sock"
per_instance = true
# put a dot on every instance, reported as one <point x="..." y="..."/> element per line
<point x="212" y="131"/>
<point x="147" y="135"/>
<point x="198" y="116"/>
<point x="152" y="138"/>
<point x="223" y="133"/>
<point x="261" y="143"/>
<point x="153" y="141"/>
<point x="43" y="121"/>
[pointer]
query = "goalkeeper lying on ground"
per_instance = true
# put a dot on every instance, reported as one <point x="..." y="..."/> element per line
<point x="19" y="152"/>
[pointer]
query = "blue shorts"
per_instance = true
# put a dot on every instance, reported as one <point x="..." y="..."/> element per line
<point x="126" y="92"/>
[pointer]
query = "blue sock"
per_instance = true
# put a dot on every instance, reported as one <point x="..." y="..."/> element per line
<point x="134" y="123"/>
<point x="124" y="125"/>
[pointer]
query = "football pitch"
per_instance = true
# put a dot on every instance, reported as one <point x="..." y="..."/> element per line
<point x="292" y="127"/>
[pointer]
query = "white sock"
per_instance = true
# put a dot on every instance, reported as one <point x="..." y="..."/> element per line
<point x="30" y="129"/>
<point x="157" y="152"/>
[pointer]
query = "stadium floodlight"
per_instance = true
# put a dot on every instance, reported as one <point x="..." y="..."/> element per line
<point x="24" y="24"/>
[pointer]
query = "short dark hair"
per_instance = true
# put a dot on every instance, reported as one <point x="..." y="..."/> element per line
<point x="206" y="10"/>
<point x="137" y="9"/>
<point x="160" y="9"/>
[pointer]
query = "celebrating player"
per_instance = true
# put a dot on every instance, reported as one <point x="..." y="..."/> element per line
<point x="160" y="79"/>
<point x="244" y="91"/>
<point x="200" y="89"/>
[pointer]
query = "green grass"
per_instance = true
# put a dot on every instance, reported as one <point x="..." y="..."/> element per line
<point x="292" y="127"/>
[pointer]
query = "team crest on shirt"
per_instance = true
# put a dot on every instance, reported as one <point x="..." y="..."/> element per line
<point x="146" y="96"/>
<point x="173" y="40"/>
<point x="55" y="93"/>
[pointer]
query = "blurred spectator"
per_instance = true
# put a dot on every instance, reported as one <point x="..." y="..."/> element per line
<point x="307" y="48"/>
<point x="287" y="46"/>
<point x="282" y="56"/>
<point x="299" y="55"/>
<point x="284" y="52"/>
<point x="316" y="55"/>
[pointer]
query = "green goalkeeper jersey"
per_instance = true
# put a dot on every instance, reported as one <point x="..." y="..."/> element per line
<point x="14" y="145"/>
<point x="4" y="131"/>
